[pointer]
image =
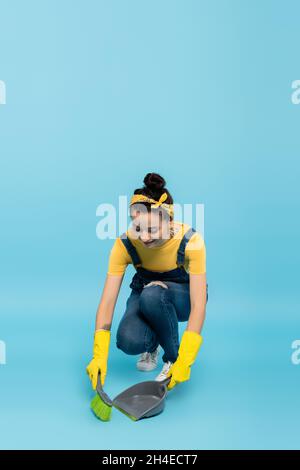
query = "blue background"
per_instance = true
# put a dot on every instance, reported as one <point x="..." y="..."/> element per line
<point x="98" y="94"/>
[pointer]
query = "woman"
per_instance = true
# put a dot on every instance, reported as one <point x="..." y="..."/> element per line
<point x="169" y="286"/>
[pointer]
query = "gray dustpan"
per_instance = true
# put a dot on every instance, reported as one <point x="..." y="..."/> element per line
<point x="143" y="400"/>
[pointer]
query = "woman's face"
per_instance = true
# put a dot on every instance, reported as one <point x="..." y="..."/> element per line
<point x="150" y="228"/>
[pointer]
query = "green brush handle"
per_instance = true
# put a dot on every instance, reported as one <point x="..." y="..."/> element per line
<point x="102" y="393"/>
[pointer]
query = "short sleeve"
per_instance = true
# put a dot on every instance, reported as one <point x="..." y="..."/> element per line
<point x="195" y="253"/>
<point x="118" y="258"/>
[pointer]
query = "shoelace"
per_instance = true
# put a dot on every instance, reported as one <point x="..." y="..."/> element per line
<point x="148" y="356"/>
<point x="167" y="366"/>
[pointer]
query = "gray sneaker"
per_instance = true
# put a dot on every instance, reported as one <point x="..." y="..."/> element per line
<point x="164" y="373"/>
<point x="148" y="361"/>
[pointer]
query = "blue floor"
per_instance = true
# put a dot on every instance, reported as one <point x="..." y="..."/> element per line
<point x="97" y="95"/>
<point x="243" y="393"/>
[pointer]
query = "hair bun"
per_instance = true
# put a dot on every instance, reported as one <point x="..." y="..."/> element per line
<point x="154" y="181"/>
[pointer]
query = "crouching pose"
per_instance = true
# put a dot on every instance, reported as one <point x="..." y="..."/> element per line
<point x="169" y="286"/>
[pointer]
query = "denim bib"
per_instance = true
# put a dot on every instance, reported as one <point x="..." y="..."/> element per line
<point x="144" y="276"/>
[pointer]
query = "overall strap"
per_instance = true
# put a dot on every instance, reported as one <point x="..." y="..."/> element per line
<point x="136" y="261"/>
<point x="181" y="250"/>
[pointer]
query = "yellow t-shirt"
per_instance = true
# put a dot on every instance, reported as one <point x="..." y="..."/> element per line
<point x="161" y="258"/>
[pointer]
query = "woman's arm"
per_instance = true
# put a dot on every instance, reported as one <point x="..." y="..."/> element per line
<point x="105" y="311"/>
<point x="191" y="340"/>
<point x="108" y="301"/>
<point x="198" y="302"/>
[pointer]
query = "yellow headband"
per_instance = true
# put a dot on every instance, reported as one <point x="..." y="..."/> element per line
<point x="142" y="198"/>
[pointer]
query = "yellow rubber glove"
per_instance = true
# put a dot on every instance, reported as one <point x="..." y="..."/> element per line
<point x="100" y="356"/>
<point x="188" y="350"/>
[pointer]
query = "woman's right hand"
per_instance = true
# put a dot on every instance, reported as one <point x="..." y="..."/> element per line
<point x="100" y="357"/>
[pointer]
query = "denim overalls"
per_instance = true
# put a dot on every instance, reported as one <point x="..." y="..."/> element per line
<point x="144" y="276"/>
<point x="152" y="313"/>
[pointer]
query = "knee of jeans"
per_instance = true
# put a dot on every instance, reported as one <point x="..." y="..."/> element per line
<point x="151" y="299"/>
<point x="128" y="343"/>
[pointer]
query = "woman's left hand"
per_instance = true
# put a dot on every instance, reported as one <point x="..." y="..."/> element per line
<point x="179" y="372"/>
<point x="188" y="350"/>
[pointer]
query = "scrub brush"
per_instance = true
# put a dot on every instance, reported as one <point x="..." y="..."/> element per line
<point x="101" y="404"/>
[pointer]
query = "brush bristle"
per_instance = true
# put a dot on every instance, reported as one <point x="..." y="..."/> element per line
<point x="126" y="414"/>
<point x="100" y="408"/>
